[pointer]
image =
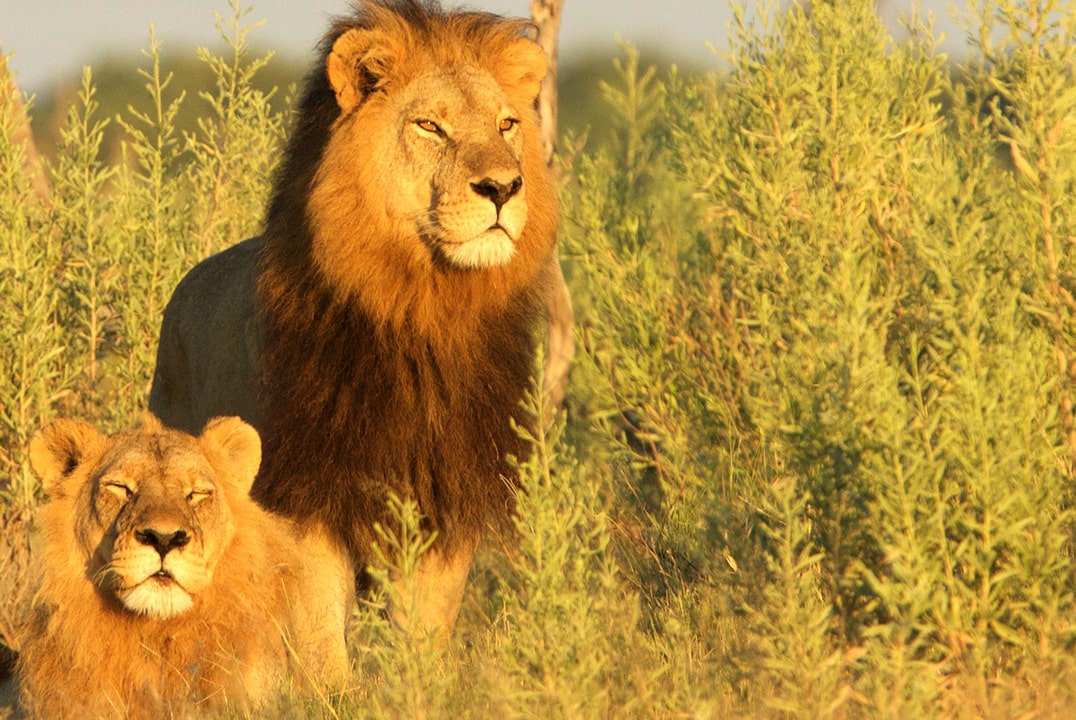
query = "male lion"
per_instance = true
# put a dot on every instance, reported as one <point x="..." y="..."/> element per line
<point x="164" y="587"/>
<point x="380" y="332"/>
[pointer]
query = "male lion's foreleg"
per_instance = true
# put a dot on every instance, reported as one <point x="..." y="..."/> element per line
<point x="429" y="599"/>
<point x="322" y="604"/>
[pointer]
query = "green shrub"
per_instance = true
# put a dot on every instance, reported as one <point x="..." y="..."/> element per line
<point x="842" y="332"/>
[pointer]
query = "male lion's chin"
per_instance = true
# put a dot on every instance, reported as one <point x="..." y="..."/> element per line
<point x="490" y="249"/>
<point x="157" y="598"/>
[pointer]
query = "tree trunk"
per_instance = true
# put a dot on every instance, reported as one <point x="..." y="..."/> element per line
<point x="546" y="16"/>
<point x="560" y="343"/>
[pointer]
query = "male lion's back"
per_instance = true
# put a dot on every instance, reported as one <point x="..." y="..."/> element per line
<point x="207" y="360"/>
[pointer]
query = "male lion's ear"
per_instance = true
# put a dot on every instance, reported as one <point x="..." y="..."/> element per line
<point x="59" y="448"/>
<point x="357" y="65"/>
<point x="239" y="443"/>
<point x="523" y="66"/>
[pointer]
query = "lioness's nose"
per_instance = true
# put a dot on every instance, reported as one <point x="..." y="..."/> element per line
<point x="162" y="541"/>
<point x="498" y="192"/>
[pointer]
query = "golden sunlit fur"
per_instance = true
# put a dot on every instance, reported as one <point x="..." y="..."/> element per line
<point x="381" y="333"/>
<point x="165" y="588"/>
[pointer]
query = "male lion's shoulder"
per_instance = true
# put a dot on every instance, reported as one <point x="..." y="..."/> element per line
<point x="207" y="359"/>
<point x="231" y="268"/>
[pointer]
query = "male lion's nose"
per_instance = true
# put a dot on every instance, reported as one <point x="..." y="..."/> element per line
<point x="498" y="192"/>
<point x="162" y="541"/>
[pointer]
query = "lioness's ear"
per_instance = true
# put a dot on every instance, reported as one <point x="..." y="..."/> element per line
<point x="151" y="423"/>
<point x="523" y="66"/>
<point x="358" y="64"/>
<point x="240" y="445"/>
<point x="59" y="448"/>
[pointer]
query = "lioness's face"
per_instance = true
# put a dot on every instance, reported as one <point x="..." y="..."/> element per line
<point x="144" y="515"/>
<point x="158" y="523"/>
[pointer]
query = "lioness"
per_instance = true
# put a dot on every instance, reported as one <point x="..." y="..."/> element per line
<point x="165" y="588"/>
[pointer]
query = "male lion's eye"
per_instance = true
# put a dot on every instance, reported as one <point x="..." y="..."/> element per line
<point x="119" y="490"/>
<point x="429" y="126"/>
<point x="507" y="124"/>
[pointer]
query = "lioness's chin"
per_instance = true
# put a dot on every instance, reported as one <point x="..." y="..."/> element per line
<point x="157" y="598"/>
<point x="490" y="249"/>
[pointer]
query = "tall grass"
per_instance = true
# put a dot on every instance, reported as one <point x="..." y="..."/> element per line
<point x="819" y="453"/>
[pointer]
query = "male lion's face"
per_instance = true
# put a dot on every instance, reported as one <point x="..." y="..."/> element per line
<point x="426" y="149"/>
<point x="461" y="141"/>
<point x="151" y="508"/>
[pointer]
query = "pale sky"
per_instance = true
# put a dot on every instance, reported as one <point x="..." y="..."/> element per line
<point x="60" y="36"/>
<point x="57" y="37"/>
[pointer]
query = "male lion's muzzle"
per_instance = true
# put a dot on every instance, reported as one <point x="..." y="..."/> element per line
<point x="498" y="192"/>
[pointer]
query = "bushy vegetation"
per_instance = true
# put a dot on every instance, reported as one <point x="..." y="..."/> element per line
<point x="819" y="453"/>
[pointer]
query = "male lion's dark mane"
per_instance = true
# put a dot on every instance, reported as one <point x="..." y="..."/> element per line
<point x="356" y="407"/>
